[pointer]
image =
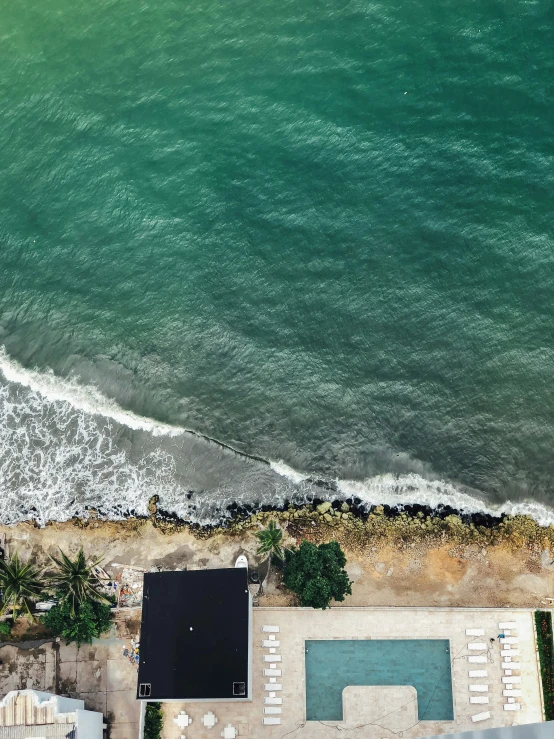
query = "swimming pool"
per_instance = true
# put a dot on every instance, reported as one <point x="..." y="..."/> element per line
<point x="332" y="665"/>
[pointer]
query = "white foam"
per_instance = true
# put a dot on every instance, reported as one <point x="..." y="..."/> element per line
<point x="285" y="471"/>
<point x="82" y="397"/>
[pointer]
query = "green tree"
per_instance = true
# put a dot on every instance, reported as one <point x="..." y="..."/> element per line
<point x="153" y="721"/>
<point x="316" y="574"/>
<point x="88" y="621"/>
<point x="21" y="584"/>
<point x="270" y="540"/>
<point x="75" y="582"/>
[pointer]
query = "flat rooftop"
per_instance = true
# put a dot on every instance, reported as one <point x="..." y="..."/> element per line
<point x="195" y="636"/>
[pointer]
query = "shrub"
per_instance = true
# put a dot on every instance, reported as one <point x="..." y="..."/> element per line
<point x="90" y="621"/>
<point x="543" y="622"/>
<point x="316" y="574"/>
<point x="153" y="721"/>
<point x="5" y="628"/>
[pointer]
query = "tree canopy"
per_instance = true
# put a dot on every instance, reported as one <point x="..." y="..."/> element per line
<point x="86" y="622"/>
<point x="21" y="584"/>
<point x="316" y="574"/>
<point x="75" y="582"/>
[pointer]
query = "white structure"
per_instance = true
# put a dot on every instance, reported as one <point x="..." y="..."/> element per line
<point x="52" y="715"/>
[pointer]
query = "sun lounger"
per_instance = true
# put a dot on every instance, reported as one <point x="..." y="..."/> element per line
<point x="509" y="640"/>
<point x="272" y="709"/>
<point x="477" y="673"/>
<point x="273" y="701"/>
<point x="479" y="688"/>
<point x="477" y="645"/>
<point x="272" y="673"/>
<point x="478" y="699"/>
<point x="273" y="686"/>
<point x="512" y="693"/>
<point x="507" y="625"/>
<point x="512" y="706"/>
<point x="511" y="666"/>
<point x="270" y="629"/>
<point x="477" y="658"/>
<point x="509" y="652"/>
<point x="270" y="644"/>
<point x="481" y="716"/>
<point x="512" y="679"/>
<point x="267" y="720"/>
<point x="475" y="632"/>
<point x="272" y="657"/>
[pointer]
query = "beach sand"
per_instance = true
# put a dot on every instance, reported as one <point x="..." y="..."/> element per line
<point x="444" y="569"/>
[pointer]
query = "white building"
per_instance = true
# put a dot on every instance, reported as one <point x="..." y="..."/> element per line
<point x="31" y="713"/>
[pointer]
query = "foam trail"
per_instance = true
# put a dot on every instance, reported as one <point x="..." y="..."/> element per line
<point x="85" y="398"/>
<point x="285" y="471"/>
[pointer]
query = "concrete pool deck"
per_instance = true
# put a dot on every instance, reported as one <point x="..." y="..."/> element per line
<point x="375" y="713"/>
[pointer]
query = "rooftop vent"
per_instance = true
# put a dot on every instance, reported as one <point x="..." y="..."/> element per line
<point x="144" y="690"/>
<point x="239" y="688"/>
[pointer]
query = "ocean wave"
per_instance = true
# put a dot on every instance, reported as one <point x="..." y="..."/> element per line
<point x="63" y="452"/>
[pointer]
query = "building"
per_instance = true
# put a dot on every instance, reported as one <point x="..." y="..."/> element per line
<point x="31" y="713"/>
<point x="196" y="636"/>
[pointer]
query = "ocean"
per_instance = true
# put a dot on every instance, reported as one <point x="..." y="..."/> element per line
<point x="252" y="253"/>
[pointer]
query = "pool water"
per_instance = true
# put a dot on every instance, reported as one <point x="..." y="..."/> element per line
<point x="332" y="665"/>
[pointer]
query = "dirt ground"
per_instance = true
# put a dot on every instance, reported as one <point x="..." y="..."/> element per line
<point x="384" y="575"/>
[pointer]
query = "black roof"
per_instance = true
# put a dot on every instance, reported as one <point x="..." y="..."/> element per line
<point x="194" y="641"/>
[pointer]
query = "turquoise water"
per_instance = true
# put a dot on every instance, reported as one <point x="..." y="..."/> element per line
<point x="422" y="663"/>
<point x="320" y="233"/>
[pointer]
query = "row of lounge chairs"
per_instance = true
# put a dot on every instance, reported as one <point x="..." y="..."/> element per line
<point x="507" y="653"/>
<point x="272" y="673"/>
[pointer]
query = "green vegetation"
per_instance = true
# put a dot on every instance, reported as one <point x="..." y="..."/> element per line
<point x="88" y="621"/>
<point x="153" y="721"/>
<point x="5" y="628"/>
<point x="270" y="544"/>
<point x="543" y="622"/>
<point x="316" y="574"/>
<point x="21" y="585"/>
<point x="75" y="581"/>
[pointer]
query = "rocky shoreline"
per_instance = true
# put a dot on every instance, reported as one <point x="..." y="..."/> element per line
<point x="348" y="521"/>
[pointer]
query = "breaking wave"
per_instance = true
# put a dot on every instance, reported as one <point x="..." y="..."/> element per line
<point x="66" y="449"/>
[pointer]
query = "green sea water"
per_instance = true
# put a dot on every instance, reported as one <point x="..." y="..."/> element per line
<point x="318" y="231"/>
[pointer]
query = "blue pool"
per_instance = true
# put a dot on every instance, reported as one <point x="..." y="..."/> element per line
<point x="332" y="665"/>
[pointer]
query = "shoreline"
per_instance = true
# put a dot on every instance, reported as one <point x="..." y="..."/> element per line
<point x="393" y="558"/>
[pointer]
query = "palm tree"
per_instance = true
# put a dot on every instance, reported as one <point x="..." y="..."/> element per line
<point x="270" y="544"/>
<point x="20" y="584"/>
<point x="75" y="581"/>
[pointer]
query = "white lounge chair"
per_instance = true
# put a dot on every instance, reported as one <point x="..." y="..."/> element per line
<point x="273" y="686"/>
<point x="477" y="645"/>
<point x="477" y="673"/>
<point x="513" y="679"/>
<point x="477" y="658"/>
<point x="512" y="693"/>
<point x="509" y="652"/>
<point x="271" y="720"/>
<point x="272" y="673"/>
<point x="273" y="701"/>
<point x="268" y="643"/>
<point x="272" y="657"/>
<point x="481" y="716"/>
<point x="512" y="706"/>
<point x="272" y="709"/>
<point x="479" y="688"/>
<point x="270" y="629"/>
<point x="507" y="625"/>
<point x="478" y="699"/>
<point x="509" y="640"/>
<point x="475" y="632"/>
<point x="511" y="665"/>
